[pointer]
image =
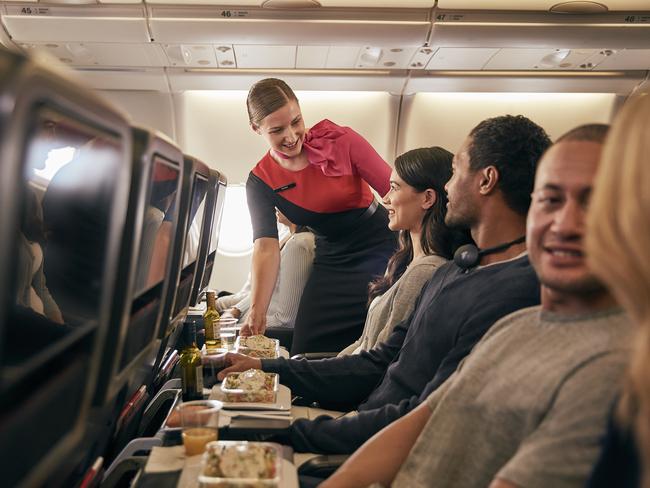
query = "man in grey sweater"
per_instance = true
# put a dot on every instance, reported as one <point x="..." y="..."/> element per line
<point x="528" y="406"/>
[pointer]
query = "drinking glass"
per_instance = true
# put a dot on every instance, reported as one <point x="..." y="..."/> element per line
<point x="199" y="423"/>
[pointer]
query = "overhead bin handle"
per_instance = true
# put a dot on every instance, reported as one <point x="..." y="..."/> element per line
<point x="291" y="4"/>
<point x="73" y="2"/>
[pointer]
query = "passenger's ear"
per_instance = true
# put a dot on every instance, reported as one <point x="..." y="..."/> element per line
<point x="430" y="197"/>
<point x="489" y="180"/>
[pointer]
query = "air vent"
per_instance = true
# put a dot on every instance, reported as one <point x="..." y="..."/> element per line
<point x="291" y="4"/>
<point x="578" y="7"/>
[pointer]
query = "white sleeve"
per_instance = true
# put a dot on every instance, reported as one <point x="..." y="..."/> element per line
<point x="228" y="301"/>
<point x="296" y="261"/>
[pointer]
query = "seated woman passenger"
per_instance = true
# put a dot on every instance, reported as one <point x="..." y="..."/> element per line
<point x="296" y="257"/>
<point x="617" y="243"/>
<point x="417" y="205"/>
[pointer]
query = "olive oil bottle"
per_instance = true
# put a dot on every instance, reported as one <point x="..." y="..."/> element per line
<point x="211" y="322"/>
<point x="191" y="366"/>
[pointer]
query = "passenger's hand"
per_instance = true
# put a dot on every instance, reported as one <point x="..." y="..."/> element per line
<point x="236" y="363"/>
<point x="232" y="312"/>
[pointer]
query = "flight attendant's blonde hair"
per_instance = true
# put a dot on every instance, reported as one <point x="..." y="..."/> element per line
<point x="618" y="247"/>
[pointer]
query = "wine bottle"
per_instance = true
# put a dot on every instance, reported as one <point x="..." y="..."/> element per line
<point x="211" y="323"/>
<point x="191" y="366"/>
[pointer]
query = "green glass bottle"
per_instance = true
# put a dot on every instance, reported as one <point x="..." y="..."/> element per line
<point x="191" y="366"/>
<point x="211" y="323"/>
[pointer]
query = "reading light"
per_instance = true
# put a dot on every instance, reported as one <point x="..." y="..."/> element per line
<point x="554" y="59"/>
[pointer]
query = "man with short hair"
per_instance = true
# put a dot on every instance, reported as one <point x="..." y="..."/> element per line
<point x="489" y="193"/>
<point x="528" y="406"/>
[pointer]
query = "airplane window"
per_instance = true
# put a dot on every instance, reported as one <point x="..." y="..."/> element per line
<point x="236" y="233"/>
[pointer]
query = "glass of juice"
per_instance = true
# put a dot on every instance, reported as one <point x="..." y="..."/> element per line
<point x="199" y="424"/>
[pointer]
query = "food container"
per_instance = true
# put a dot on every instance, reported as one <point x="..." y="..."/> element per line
<point x="241" y="464"/>
<point x="258" y="346"/>
<point x="251" y="386"/>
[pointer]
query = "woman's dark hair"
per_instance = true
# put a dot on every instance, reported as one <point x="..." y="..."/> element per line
<point x="423" y="168"/>
<point x="266" y="96"/>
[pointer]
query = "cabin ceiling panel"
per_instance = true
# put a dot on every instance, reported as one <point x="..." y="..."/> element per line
<point x="626" y="59"/>
<point x="262" y="57"/>
<point x="103" y="54"/>
<point x="183" y="80"/>
<point x="312" y="57"/>
<point x="620" y="83"/>
<point x="342" y="57"/>
<point x="151" y="80"/>
<point x="542" y="59"/>
<point x="459" y="58"/>
<point x="630" y="5"/>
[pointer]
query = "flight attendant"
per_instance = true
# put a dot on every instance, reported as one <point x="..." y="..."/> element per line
<point x="320" y="178"/>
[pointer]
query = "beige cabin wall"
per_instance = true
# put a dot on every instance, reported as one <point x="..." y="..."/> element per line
<point x="445" y="119"/>
<point x="150" y="109"/>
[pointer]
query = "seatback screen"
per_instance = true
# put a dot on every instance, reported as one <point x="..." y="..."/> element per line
<point x="159" y="217"/>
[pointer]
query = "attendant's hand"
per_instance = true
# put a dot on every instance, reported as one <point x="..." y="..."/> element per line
<point x="236" y="363"/>
<point x="254" y="325"/>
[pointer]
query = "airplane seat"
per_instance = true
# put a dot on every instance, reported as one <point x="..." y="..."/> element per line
<point x="315" y="355"/>
<point x="322" y="466"/>
<point x="283" y="334"/>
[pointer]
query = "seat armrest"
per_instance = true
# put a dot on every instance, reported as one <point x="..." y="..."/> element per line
<point x="322" y="466"/>
<point x="123" y="472"/>
<point x="315" y="355"/>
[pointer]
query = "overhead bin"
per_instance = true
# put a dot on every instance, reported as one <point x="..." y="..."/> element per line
<point x="471" y="28"/>
<point x="305" y="4"/>
<point x="565" y="6"/>
<point x="91" y="23"/>
<point x="322" y="26"/>
<point x="103" y="53"/>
